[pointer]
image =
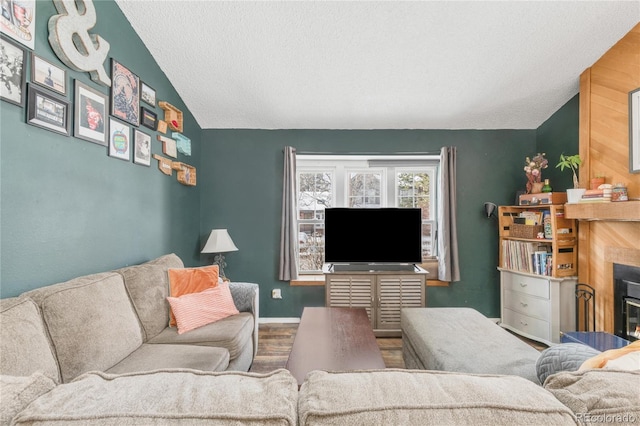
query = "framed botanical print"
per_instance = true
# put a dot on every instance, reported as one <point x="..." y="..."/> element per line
<point x="13" y="62"/>
<point x="142" y="151"/>
<point x="125" y="94"/>
<point x="119" y="140"/>
<point x="90" y="114"/>
<point x="48" y="111"/>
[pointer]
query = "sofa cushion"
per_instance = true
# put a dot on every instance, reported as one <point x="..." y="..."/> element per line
<point x="564" y="357"/>
<point x="464" y="340"/>
<point x="169" y="397"/>
<point x="197" y="309"/>
<point x="231" y="333"/>
<point x="148" y="288"/>
<point x="18" y="391"/>
<point x="24" y="343"/>
<point x="599" y="396"/>
<point x="90" y="321"/>
<point x="418" y="397"/>
<point x="156" y="357"/>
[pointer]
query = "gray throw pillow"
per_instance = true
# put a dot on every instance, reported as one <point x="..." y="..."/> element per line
<point x="563" y="357"/>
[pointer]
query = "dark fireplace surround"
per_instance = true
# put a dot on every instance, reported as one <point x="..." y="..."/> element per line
<point x="626" y="299"/>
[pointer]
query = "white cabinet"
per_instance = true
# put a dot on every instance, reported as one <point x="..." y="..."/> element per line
<point x="381" y="293"/>
<point x="537" y="307"/>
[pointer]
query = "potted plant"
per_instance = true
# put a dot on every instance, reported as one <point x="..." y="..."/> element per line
<point x="572" y="162"/>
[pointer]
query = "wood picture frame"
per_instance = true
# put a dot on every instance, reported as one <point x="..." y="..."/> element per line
<point x="90" y="114"/>
<point x="14" y="61"/>
<point x="48" y="75"/>
<point x="142" y="148"/>
<point x="147" y="94"/>
<point x="148" y="118"/>
<point x="119" y="140"/>
<point x="125" y="94"/>
<point x="634" y="131"/>
<point x="48" y="111"/>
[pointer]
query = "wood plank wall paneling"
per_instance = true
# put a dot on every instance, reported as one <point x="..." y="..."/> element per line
<point x="604" y="147"/>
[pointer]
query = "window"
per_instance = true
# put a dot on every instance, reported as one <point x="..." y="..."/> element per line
<point x="366" y="182"/>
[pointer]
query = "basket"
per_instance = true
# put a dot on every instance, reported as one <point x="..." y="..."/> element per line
<point x="525" y="231"/>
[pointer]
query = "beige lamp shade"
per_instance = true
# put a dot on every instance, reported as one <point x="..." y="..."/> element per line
<point x="219" y="242"/>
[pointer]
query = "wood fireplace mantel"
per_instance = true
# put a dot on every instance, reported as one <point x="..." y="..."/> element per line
<point x="615" y="211"/>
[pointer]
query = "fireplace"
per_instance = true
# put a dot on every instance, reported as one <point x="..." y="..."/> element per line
<point x="626" y="297"/>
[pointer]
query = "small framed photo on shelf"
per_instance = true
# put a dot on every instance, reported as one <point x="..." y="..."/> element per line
<point x="125" y="94"/>
<point x="148" y="118"/>
<point x="48" y="75"/>
<point x="147" y="94"/>
<point x="13" y="62"/>
<point x="119" y="140"/>
<point x="47" y="111"/>
<point x="142" y="150"/>
<point x="90" y="114"/>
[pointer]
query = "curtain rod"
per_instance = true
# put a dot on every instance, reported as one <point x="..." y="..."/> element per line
<point x="367" y="153"/>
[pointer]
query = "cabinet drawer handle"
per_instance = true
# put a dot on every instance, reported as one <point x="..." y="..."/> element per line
<point x="524" y="305"/>
<point x="523" y="284"/>
<point x="523" y="323"/>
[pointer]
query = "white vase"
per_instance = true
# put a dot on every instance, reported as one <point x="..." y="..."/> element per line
<point x="574" y="194"/>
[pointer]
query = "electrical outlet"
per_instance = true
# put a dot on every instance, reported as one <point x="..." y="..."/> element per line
<point x="276" y="293"/>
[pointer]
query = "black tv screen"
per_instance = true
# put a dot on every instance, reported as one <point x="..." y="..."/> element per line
<point x="376" y="235"/>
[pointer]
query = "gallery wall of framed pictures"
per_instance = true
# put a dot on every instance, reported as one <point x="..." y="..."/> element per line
<point x="56" y="102"/>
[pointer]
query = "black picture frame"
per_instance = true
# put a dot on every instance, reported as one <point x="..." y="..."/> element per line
<point x="125" y="94"/>
<point x="148" y="118"/>
<point x="14" y="60"/>
<point x="48" y="111"/>
<point x="147" y="94"/>
<point x="90" y="114"/>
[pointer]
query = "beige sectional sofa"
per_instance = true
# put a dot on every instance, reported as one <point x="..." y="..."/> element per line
<point x="117" y="322"/>
<point x="97" y="351"/>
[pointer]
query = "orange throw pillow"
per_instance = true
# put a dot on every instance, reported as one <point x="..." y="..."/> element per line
<point x="191" y="280"/>
<point x="197" y="309"/>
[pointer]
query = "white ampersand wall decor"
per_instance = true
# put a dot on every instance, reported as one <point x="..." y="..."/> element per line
<point x="73" y="23"/>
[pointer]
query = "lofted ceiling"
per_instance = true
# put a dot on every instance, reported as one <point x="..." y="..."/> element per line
<point x="377" y="64"/>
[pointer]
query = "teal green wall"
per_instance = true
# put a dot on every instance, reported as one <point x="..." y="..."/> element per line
<point x="559" y="135"/>
<point x="67" y="208"/>
<point x="241" y="191"/>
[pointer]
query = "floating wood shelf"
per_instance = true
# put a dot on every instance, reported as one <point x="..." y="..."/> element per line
<point x="617" y="211"/>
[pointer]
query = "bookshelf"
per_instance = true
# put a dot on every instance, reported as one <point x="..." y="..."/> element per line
<point x="537" y="275"/>
<point x="523" y="254"/>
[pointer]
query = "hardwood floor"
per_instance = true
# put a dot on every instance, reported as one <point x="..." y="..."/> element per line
<point x="275" y="341"/>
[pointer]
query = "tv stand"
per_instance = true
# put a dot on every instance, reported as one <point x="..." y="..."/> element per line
<point x="372" y="267"/>
<point x="383" y="293"/>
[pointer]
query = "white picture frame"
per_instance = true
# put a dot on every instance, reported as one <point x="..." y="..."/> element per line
<point x="119" y="140"/>
<point x="634" y="131"/>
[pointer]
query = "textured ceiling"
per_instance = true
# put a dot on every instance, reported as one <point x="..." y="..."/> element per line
<point x="377" y="65"/>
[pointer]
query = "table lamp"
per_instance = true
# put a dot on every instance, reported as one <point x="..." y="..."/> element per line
<point x="219" y="242"/>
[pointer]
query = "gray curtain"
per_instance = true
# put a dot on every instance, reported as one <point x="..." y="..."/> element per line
<point x="289" y="228"/>
<point x="448" y="262"/>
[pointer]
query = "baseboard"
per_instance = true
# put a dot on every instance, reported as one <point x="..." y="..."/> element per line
<point x="278" y="320"/>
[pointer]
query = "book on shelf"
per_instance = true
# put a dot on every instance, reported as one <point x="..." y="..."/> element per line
<point x="526" y="256"/>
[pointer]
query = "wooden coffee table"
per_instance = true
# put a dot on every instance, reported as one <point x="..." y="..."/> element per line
<point x="333" y="339"/>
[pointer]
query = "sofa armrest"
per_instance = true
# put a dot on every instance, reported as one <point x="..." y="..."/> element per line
<point x="246" y="297"/>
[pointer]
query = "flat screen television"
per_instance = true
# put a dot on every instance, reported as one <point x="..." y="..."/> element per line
<point x="375" y="236"/>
